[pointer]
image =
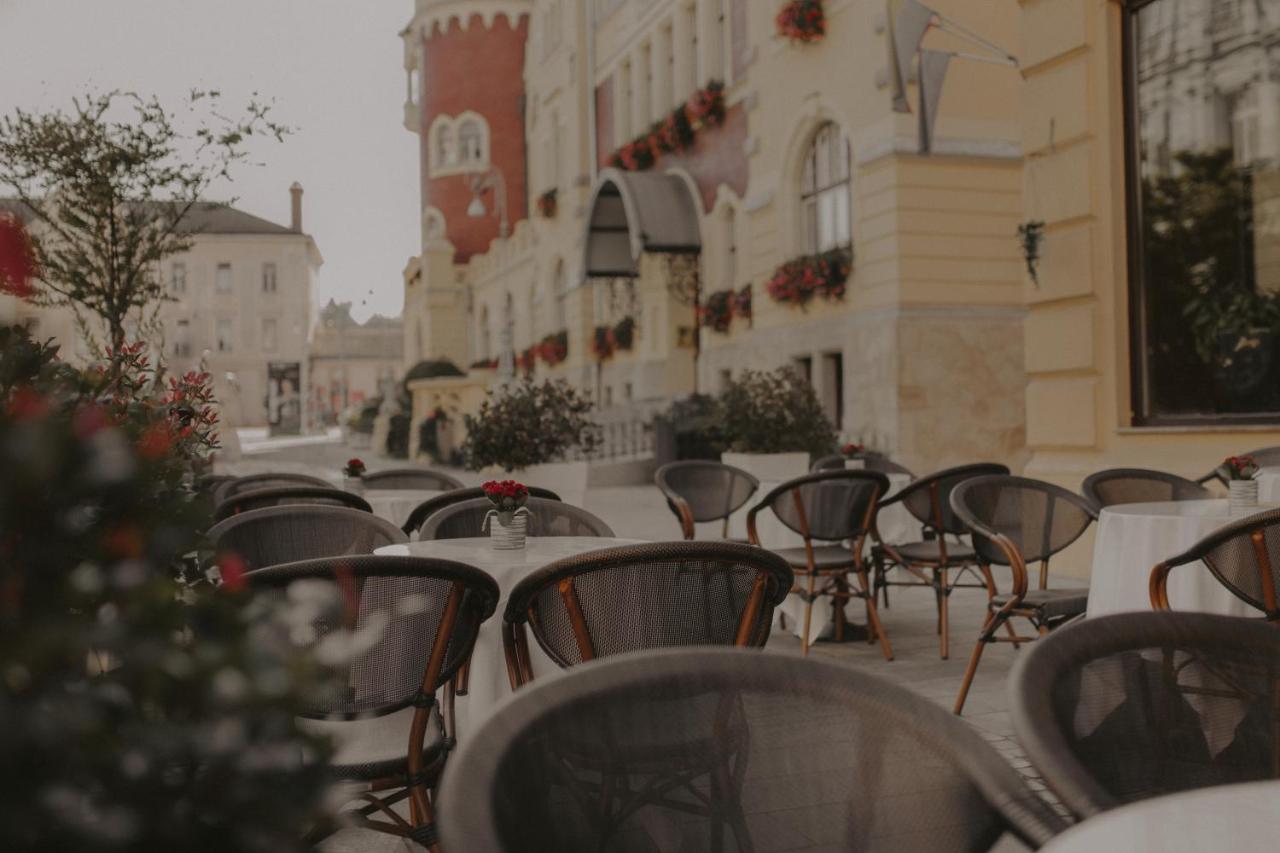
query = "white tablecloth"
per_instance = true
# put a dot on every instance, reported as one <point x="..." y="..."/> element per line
<point x="395" y="505"/>
<point x="895" y="525"/>
<point x="1133" y="538"/>
<point x="488" y="683"/>
<point x="1225" y="817"/>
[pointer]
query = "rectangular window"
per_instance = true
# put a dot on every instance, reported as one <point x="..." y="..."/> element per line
<point x="222" y="278"/>
<point x="269" y="334"/>
<point x="268" y="278"/>
<point x="224" y="336"/>
<point x="1204" y="212"/>
<point x="178" y="278"/>
<point x="832" y="391"/>
<point x="182" y="339"/>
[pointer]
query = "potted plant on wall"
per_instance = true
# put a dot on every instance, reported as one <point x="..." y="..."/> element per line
<point x="532" y="428"/>
<point x="772" y="423"/>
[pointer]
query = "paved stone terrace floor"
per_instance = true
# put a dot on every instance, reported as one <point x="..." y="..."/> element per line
<point x="640" y="512"/>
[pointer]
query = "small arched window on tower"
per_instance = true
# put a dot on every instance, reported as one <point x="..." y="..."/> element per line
<point x="825" y="191"/>
<point x="473" y="142"/>
<point x="444" y="144"/>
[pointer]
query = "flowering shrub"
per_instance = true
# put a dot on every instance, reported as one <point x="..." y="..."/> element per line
<point x="529" y="423"/>
<point x="547" y="204"/>
<point x="554" y="348"/>
<point x="774" y="412"/>
<point x="677" y="132"/>
<point x="144" y="709"/>
<point x="1240" y="467"/>
<point x="354" y="467"/>
<point x="797" y="281"/>
<point x="802" y="20"/>
<point x="507" y="496"/>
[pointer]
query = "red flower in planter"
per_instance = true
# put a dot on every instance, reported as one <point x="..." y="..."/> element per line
<point x="1240" y="467"/>
<point x="802" y="21"/>
<point x="354" y="467"/>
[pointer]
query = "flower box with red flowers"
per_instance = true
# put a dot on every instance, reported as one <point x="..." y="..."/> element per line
<point x="802" y="21"/>
<point x="704" y="109"/>
<point x="798" y="280"/>
<point x="742" y="303"/>
<point x="717" y="311"/>
<point x="602" y="343"/>
<point x="547" y="204"/>
<point x="554" y="348"/>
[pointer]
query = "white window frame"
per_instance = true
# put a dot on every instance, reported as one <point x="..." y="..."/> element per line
<point x="444" y="145"/>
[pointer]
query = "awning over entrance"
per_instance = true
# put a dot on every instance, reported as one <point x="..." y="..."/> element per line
<point x="635" y="212"/>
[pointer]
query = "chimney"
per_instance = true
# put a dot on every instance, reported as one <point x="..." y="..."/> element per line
<point x="295" y="193"/>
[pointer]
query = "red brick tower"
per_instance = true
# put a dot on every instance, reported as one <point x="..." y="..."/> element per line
<point x="471" y="118"/>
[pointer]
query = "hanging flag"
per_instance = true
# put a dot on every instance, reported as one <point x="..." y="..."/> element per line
<point x="906" y="23"/>
<point x="933" y="68"/>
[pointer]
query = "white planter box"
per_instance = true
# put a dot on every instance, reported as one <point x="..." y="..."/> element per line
<point x="566" y="479"/>
<point x="769" y="467"/>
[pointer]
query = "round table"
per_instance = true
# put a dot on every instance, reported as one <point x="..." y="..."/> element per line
<point x="1132" y="538"/>
<point x="1226" y="817"/>
<point x="488" y="683"/>
<point x="395" y="505"/>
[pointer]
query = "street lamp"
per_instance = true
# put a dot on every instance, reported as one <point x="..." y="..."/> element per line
<point x="482" y="183"/>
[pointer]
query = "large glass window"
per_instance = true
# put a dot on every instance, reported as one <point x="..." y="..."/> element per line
<point x="824" y="191"/>
<point x="1204" y="152"/>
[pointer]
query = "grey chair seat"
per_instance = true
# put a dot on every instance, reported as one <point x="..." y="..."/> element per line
<point x="929" y="552"/>
<point x="374" y="747"/>
<point x="825" y="557"/>
<point x="1052" y="603"/>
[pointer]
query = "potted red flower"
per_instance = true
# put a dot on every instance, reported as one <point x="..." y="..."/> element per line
<point x="802" y="21"/>
<point x="351" y="475"/>
<point x="507" y="522"/>
<point x="1242" y="487"/>
<point x="717" y="312"/>
<point x="547" y="204"/>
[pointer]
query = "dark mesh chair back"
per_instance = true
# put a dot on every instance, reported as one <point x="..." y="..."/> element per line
<point x="1245" y="558"/>
<point x="1039" y="518"/>
<point x="708" y="491"/>
<point x="367" y="595"/>
<point x="1140" y="485"/>
<point x="547" y="517"/>
<point x="829" y="506"/>
<point x="431" y="506"/>
<point x="312" y="495"/>
<point x="928" y="499"/>
<point x="287" y="534"/>
<point x="871" y="461"/>
<point x="409" y="478"/>
<point x="731" y="750"/>
<point x="648" y="596"/>
<point x="277" y="480"/>
<point x="1138" y="705"/>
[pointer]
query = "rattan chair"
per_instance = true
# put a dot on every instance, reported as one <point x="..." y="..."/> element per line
<point x="547" y="517"/>
<point x="1245" y="558"/>
<point x="871" y="461"/>
<point x="1136" y="705"/>
<point x="1140" y="485"/>
<point x="409" y="478"/>
<point x="287" y="534"/>
<point x="311" y="495"/>
<point x="430" y="506"/>
<point x="1015" y="521"/>
<point x="1266" y="457"/>
<point x="731" y="749"/>
<point x="701" y="491"/>
<point x="646" y="596"/>
<point x="389" y="733"/>
<point x="930" y="561"/>
<point x="275" y="480"/>
<point x="829" y="507"/>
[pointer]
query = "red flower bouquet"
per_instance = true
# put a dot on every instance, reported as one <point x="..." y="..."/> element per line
<point x="1240" y="467"/>
<point x="353" y="468"/>
<point x="507" y="496"/>
<point x="852" y="449"/>
<point x="802" y="20"/>
<point x="547" y="204"/>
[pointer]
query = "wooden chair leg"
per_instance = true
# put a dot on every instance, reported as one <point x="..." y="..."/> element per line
<point x="808" y="616"/>
<point x="944" y="626"/>
<point x="973" y="662"/>
<point x="873" y="618"/>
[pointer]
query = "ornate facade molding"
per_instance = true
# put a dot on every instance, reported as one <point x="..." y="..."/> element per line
<point x="442" y="12"/>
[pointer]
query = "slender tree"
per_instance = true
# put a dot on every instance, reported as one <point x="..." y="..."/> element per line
<point x="108" y="187"/>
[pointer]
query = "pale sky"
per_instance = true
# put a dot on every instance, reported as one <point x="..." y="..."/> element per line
<point x="333" y="69"/>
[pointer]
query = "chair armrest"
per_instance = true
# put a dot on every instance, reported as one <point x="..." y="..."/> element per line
<point x="681" y="508"/>
<point x="752" y="536"/>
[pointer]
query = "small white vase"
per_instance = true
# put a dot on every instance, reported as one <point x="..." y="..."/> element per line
<point x="1242" y="496"/>
<point x="507" y="537"/>
<point x="354" y="485"/>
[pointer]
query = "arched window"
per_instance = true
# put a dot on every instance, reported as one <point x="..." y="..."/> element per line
<point x="825" y="191"/>
<point x="458" y="144"/>
<point x="444" y="145"/>
<point x="471" y="142"/>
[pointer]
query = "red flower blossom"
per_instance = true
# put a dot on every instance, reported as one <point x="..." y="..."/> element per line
<point x="17" y="259"/>
<point x="26" y="403"/>
<point x="354" y="467"/>
<point x="155" y="443"/>
<point x="233" y="570"/>
<point x="123" y="543"/>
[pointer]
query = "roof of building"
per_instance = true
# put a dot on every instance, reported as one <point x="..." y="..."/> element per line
<point x="204" y="217"/>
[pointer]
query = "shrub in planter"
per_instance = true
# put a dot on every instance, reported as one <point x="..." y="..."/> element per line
<point x="144" y="709"/>
<point x="529" y="423"/>
<point x="696" y="422"/>
<point x="776" y="412"/>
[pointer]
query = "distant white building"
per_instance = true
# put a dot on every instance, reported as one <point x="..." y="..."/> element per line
<point x="240" y="306"/>
<point x="351" y="363"/>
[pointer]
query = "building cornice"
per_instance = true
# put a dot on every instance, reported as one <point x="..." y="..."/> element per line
<point x="441" y="12"/>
